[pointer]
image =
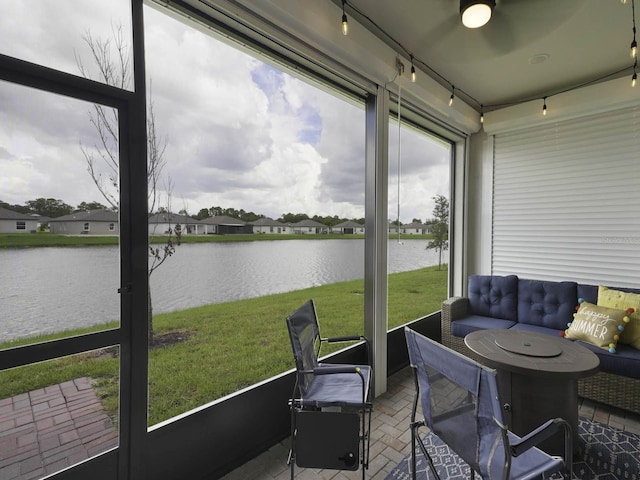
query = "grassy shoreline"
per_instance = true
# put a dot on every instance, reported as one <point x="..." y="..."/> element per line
<point x="43" y="239"/>
<point x="231" y="345"/>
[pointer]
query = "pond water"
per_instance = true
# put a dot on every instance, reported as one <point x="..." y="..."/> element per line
<point x="44" y="290"/>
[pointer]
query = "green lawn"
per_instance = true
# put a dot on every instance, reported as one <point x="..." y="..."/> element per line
<point x="232" y="345"/>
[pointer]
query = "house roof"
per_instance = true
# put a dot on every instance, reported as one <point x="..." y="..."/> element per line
<point x="11" y="215"/>
<point x="91" y="215"/>
<point x="414" y="225"/>
<point x="266" y="221"/>
<point x="223" y="220"/>
<point x="168" y="217"/>
<point x="349" y="224"/>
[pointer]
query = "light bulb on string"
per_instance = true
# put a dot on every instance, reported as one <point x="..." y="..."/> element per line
<point x="634" y="44"/>
<point x="481" y="113"/>
<point x="345" y="22"/>
<point x="453" y="89"/>
<point x="413" y="71"/>
<point x="544" y="106"/>
<point x="634" y="77"/>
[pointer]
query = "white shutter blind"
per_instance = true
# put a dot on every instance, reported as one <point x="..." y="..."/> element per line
<point x="566" y="202"/>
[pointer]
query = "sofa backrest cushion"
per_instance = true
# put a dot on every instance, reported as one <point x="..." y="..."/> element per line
<point x="589" y="293"/>
<point x="546" y="303"/>
<point x="494" y="296"/>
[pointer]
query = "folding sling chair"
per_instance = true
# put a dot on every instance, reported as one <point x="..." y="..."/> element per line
<point x="461" y="406"/>
<point x="330" y="408"/>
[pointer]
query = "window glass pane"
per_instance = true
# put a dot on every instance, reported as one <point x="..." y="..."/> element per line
<point x="67" y="281"/>
<point x="264" y="169"/>
<point x="68" y="35"/>
<point x="419" y="170"/>
<point x="58" y="413"/>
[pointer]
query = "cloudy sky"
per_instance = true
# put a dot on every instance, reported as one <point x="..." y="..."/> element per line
<point x="240" y="133"/>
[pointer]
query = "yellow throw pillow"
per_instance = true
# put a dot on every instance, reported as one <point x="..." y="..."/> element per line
<point x="599" y="326"/>
<point x="608" y="297"/>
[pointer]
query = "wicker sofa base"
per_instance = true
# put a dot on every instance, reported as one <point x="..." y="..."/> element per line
<point x="608" y="388"/>
<point x="615" y="390"/>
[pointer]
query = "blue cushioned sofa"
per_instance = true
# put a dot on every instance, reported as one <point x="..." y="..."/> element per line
<point x="495" y="301"/>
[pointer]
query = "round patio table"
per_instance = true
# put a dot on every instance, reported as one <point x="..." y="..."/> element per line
<point x="537" y="376"/>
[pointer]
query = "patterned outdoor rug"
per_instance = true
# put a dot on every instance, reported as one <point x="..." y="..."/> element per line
<point x="606" y="454"/>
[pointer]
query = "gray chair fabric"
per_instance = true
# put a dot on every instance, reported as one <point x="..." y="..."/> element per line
<point x="461" y="405"/>
<point x="329" y="401"/>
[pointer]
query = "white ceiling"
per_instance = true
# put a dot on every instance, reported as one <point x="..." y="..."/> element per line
<point x="583" y="39"/>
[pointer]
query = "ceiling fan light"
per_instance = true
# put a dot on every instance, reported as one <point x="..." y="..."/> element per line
<point x="476" y="13"/>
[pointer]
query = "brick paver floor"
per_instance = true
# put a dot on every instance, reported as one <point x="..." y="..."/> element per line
<point x="391" y="438"/>
<point x="46" y="430"/>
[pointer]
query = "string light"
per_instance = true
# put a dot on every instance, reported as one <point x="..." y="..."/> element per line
<point x="634" y="77"/>
<point x="413" y="70"/>
<point x="445" y="82"/>
<point x="634" y="44"/>
<point x="345" y="22"/>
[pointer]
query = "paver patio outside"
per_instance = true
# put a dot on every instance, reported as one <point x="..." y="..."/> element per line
<point x="46" y="430"/>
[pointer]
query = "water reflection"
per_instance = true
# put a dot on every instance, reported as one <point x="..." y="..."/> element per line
<point x="51" y="289"/>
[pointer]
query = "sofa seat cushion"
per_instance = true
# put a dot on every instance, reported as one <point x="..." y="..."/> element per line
<point x="494" y="296"/>
<point x="625" y="362"/>
<point x="471" y="323"/>
<point x="547" y="304"/>
<point x="526" y="327"/>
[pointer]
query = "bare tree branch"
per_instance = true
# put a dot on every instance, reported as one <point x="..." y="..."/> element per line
<point x="111" y="58"/>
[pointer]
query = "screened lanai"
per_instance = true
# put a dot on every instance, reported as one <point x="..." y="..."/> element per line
<point x="548" y="197"/>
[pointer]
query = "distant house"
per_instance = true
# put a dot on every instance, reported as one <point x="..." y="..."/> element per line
<point x="348" y="228"/>
<point x="163" y="223"/>
<point x="269" y="226"/>
<point x="224" y="225"/>
<point x="93" y="222"/>
<point x="414" y="228"/>
<point x="309" y="226"/>
<point x="14" y="222"/>
<point x="393" y="229"/>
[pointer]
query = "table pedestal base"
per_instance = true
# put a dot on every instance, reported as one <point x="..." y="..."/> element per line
<point x="534" y="400"/>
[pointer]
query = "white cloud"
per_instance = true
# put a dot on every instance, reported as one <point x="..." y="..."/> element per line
<point x="239" y="132"/>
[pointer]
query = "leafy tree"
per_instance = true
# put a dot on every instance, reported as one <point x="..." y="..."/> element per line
<point x="112" y="59"/>
<point x="440" y="227"/>
<point x="416" y="220"/>
<point x="202" y="214"/>
<point x="49" y="207"/>
<point x="88" y="206"/>
<point x="293" y="217"/>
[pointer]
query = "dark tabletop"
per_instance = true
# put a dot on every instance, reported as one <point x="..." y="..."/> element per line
<point x="532" y="353"/>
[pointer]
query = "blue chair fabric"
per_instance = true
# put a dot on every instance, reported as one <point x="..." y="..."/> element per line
<point x="461" y="405"/>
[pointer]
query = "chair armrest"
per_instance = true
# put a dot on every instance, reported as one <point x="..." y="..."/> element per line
<point x="455" y="308"/>
<point x="348" y="338"/>
<point x="544" y="431"/>
<point x="331" y="369"/>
